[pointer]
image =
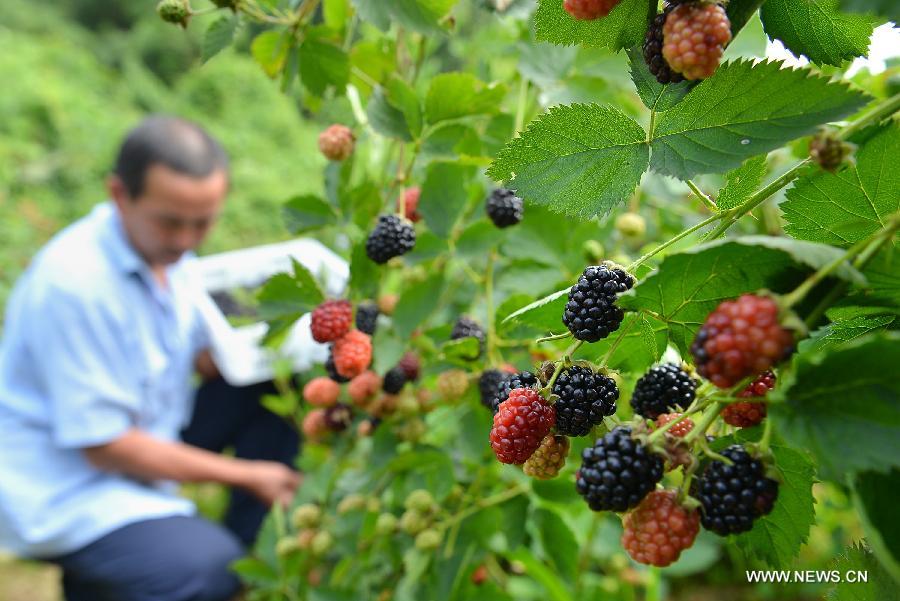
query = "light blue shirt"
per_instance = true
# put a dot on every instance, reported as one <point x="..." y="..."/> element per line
<point x="92" y="347"/>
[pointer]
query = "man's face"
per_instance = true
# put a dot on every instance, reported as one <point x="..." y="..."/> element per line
<point x="172" y="215"/>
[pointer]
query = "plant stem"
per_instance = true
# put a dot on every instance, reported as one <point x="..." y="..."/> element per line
<point x="567" y="358"/>
<point x="704" y="198"/>
<point x="483" y="504"/>
<point x="881" y="111"/>
<point x="704" y="422"/>
<point x="520" y="106"/>
<point x="489" y="299"/>
<point x="671" y="241"/>
<point x="554" y="337"/>
<point x="659" y="432"/>
<point x="763" y="446"/>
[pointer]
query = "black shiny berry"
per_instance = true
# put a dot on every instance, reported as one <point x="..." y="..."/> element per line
<point x="394" y="380"/>
<point x="504" y="207"/>
<point x="366" y="318"/>
<point x="585" y="398"/>
<point x="488" y="383"/>
<point x="653" y="45"/>
<point x="663" y="389"/>
<point x="465" y="327"/>
<point x="591" y="313"/>
<point x="523" y="379"/>
<point x="392" y="237"/>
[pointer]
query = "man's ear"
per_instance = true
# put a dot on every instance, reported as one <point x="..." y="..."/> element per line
<point x="117" y="190"/>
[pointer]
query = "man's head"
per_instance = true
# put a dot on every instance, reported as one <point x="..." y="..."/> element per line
<point x="169" y="183"/>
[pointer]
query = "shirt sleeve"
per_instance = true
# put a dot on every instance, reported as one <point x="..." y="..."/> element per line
<point x="81" y="360"/>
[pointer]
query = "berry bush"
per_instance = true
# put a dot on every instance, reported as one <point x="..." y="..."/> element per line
<point x="623" y="293"/>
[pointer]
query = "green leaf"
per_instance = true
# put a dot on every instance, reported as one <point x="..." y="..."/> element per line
<point x="631" y="353"/>
<point x="270" y="49"/>
<point x="307" y="212"/>
<point x="852" y="564"/>
<point x="282" y="405"/>
<point x="555" y="587"/>
<point x="289" y="294"/>
<point x="817" y="29"/>
<point x="417" y="303"/>
<point x="461" y="349"/>
<point x="545" y="313"/>
<point x="558" y="541"/>
<point x="623" y="27"/>
<point x="255" y="571"/>
<point x="443" y="196"/>
<point x="740" y="183"/>
<point x="656" y="96"/>
<point x="875" y="496"/>
<point x="648" y="336"/>
<point x="422" y="16"/>
<point x="322" y="63"/>
<point x="883" y="274"/>
<point x="689" y="285"/>
<point x="848" y="206"/>
<point x="580" y="160"/>
<point x="847" y="330"/>
<point x="335" y="13"/>
<point x="851" y="393"/>
<point x="363" y="272"/>
<point x="743" y="110"/>
<point x="455" y="95"/>
<point x="218" y="36"/>
<point x="387" y="119"/>
<point x="777" y="537"/>
<point x="403" y="97"/>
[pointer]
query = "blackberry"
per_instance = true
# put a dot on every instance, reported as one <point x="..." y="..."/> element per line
<point x="465" y="327"/>
<point x="591" y="313"/>
<point x="394" y="380"/>
<point x="331" y="320"/>
<point x="331" y="370"/>
<point x="653" y="45"/>
<point x="659" y="529"/>
<point x="488" y="383"/>
<point x="366" y="317"/>
<point x="585" y="398"/>
<point x="588" y="10"/>
<point x="523" y="379"/>
<point x="662" y="389"/>
<point x="694" y="37"/>
<point x="338" y="417"/>
<point x="734" y="496"/>
<point x="750" y="413"/>
<point x="504" y="207"/>
<point x="391" y="238"/>
<point x="617" y="472"/>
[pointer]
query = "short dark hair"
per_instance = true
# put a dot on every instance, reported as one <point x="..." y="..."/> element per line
<point x="176" y="143"/>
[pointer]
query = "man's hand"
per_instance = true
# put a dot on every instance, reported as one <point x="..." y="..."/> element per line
<point x="271" y="482"/>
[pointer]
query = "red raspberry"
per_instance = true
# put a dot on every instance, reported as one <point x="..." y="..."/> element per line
<point x="411" y="203"/>
<point x="331" y="320"/>
<point x="679" y="430"/>
<point x="694" y="37"/>
<point x="588" y="10"/>
<point x="352" y="353"/>
<point x="548" y="459"/>
<point x="363" y="388"/>
<point x="336" y="142"/>
<point x="410" y="365"/>
<point x="739" y="339"/>
<point x="521" y="423"/>
<point x="321" y="392"/>
<point x="659" y="529"/>
<point x="750" y="413"/>
<point x="314" y="424"/>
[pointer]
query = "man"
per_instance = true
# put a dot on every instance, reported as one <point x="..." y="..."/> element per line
<point x="101" y="339"/>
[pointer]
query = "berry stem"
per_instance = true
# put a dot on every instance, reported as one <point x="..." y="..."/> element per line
<point x="881" y="236"/>
<point x="704" y="198"/>
<point x="482" y="504"/>
<point x="554" y="337"/>
<point x="489" y="299"/>
<point x="696" y="407"/>
<point x="703" y="424"/>
<point x="879" y="112"/>
<point x="616" y="343"/>
<point x="520" y="107"/>
<point x="566" y="360"/>
<point x="763" y="445"/>
<point x="671" y="241"/>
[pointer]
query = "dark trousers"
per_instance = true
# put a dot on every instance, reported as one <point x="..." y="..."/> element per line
<point x="187" y="558"/>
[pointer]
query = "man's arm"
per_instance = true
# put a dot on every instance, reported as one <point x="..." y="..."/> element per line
<point x="140" y="455"/>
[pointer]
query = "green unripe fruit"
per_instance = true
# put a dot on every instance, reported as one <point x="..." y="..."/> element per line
<point x="174" y="11"/>
<point x="413" y="522"/>
<point x="286" y="546"/>
<point x="407" y="405"/>
<point x="321" y="543"/>
<point x="352" y="502"/>
<point x="428" y="540"/>
<point x="386" y="524"/>
<point x="419" y="500"/>
<point x="232" y="4"/>
<point x="373" y="504"/>
<point x="593" y="251"/>
<point x="631" y="225"/>
<point x="306" y="516"/>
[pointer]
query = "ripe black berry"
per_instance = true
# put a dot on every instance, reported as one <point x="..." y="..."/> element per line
<point x="394" y="380"/>
<point x="585" y="398"/>
<point x="366" y="317"/>
<point x="391" y="238"/>
<point x="465" y="327"/>
<point x="653" y="45"/>
<point x="617" y="472"/>
<point x="662" y="389"/>
<point x="488" y="384"/>
<point x="591" y="313"/>
<point x="504" y="207"/>
<point x="734" y="496"/>
<point x="523" y="379"/>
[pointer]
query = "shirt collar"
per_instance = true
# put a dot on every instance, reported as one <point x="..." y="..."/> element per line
<point x="122" y="254"/>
